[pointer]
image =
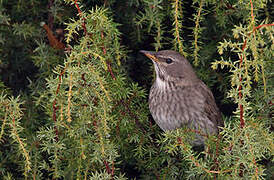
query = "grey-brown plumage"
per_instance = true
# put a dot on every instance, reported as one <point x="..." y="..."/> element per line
<point x="178" y="97"/>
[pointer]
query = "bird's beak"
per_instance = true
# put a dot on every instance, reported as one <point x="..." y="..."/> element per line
<point x="150" y="55"/>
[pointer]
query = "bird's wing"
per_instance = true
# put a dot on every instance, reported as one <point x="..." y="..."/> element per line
<point x="210" y="107"/>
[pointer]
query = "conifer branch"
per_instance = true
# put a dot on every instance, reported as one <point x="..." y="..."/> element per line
<point x="178" y="25"/>
<point x="100" y="82"/>
<point x="22" y="147"/>
<point x="242" y="121"/>
<point x="69" y="98"/>
<point x="253" y="157"/>
<point x="196" y="163"/>
<point x="15" y="115"/>
<point x="80" y="15"/>
<point x="55" y="102"/>
<point x="158" y="37"/>
<point x="4" y="122"/>
<point x="196" y="33"/>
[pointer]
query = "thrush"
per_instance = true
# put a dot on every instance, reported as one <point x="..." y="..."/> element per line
<point x="179" y="98"/>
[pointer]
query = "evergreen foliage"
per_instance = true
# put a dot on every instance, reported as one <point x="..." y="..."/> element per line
<point x="81" y="112"/>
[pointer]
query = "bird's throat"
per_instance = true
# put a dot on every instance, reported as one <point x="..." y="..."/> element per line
<point x="160" y="83"/>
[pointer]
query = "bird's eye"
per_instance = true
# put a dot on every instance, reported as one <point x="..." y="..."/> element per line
<point x="169" y="61"/>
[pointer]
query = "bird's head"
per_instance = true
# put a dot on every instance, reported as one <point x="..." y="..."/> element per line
<point x="171" y="66"/>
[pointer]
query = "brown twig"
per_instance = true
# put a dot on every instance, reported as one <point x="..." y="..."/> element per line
<point x="109" y="171"/>
<point x="110" y="70"/>
<point x="80" y="15"/>
<point x="108" y="62"/>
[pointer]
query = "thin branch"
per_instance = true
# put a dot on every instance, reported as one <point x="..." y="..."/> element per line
<point x="196" y="163"/>
<point x="80" y="15"/>
<point x="196" y="33"/>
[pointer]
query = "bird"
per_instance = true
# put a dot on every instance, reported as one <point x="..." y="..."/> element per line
<point x="179" y="98"/>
